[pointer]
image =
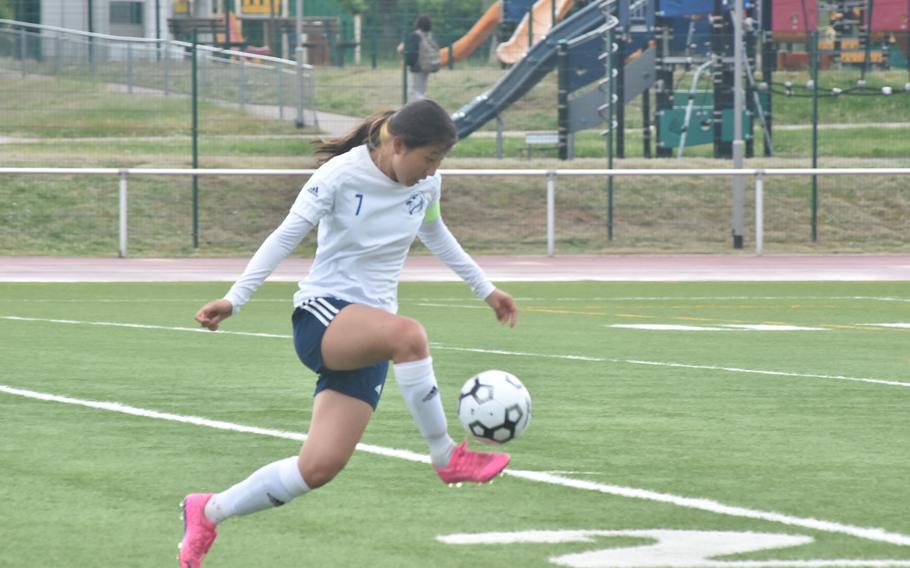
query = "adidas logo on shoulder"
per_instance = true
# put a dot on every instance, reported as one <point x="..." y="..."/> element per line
<point x="314" y="191"/>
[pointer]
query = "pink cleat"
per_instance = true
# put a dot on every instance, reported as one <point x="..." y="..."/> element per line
<point x="465" y="465"/>
<point x="198" y="531"/>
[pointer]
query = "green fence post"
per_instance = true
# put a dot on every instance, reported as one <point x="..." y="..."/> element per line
<point x="195" y="128"/>
<point x="610" y="63"/>
<point x="814" y="135"/>
<point x="404" y="69"/>
<point x="374" y="33"/>
<point x="449" y="33"/>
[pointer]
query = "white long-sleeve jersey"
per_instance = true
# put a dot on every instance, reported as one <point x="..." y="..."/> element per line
<point x="367" y="223"/>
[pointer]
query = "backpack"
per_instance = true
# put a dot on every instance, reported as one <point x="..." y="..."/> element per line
<point x="427" y="54"/>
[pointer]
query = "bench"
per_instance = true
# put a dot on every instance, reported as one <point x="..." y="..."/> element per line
<point x="542" y="142"/>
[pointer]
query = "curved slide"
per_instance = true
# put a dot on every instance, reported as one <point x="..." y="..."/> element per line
<point x="511" y="51"/>
<point x="475" y="36"/>
<point x="528" y="71"/>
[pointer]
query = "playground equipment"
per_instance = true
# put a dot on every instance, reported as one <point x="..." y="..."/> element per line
<point x="655" y="43"/>
<point x="538" y="61"/>
<point x="643" y="58"/>
<point x="533" y="26"/>
<point x="478" y="33"/>
<point x="862" y="33"/>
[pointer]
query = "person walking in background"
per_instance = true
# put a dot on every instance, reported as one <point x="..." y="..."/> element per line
<point x="421" y="55"/>
<point x="378" y="191"/>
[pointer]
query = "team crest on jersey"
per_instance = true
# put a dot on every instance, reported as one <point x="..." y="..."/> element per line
<point x="416" y="203"/>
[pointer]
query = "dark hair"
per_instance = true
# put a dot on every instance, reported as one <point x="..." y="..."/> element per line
<point x="417" y="124"/>
<point x="423" y="23"/>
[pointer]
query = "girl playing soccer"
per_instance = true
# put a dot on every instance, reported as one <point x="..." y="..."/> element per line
<point x="378" y="190"/>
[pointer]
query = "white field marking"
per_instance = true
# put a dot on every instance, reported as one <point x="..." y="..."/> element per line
<point x="671" y="548"/>
<point x="443" y="347"/>
<point x="771" y="327"/>
<point x="457" y="306"/>
<point x="773" y="373"/>
<point x="897" y="325"/>
<point x="677" y="365"/>
<point x="709" y="505"/>
<point x="717" y="327"/>
<point x="666" y="327"/>
<point x="206" y="422"/>
<point x="677" y="298"/>
<point x="145" y="326"/>
<point x="435" y="302"/>
<point x="130" y="300"/>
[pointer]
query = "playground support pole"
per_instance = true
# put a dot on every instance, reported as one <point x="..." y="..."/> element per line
<point x="767" y="62"/>
<point x="663" y="96"/>
<point x="531" y="27"/>
<point x="868" y="41"/>
<point x="814" y="135"/>
<point x="227" y="26"/>
<point x="646" y="122"/>
<point x="562" y="94"/>
<point x="738" y="145"/>
<point x="195" y="129"/>
<point x="298" y="56"/>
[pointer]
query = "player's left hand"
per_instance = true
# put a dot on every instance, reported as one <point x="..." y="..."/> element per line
<point x="504" y="306"/>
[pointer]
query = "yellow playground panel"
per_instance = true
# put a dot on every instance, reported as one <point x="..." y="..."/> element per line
<point x="263" y="7"/>
<point x="860" y="56"/>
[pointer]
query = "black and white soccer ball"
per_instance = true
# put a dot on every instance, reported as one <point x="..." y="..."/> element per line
<point x="494" y="407"/>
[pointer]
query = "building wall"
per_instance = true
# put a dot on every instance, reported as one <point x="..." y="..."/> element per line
<point x="73" y="14"/>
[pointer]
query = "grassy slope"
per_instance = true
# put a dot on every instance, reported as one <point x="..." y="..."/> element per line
<point x="91" y="127"/>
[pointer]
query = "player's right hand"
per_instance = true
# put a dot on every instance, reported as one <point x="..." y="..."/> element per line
<point x="213" y="313"/>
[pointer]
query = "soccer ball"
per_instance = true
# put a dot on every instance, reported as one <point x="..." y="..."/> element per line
<point x="494" y="407"/>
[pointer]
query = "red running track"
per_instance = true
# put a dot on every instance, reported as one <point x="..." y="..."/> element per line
<point x="498" y="268"/>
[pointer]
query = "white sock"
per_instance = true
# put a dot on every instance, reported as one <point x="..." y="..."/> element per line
<point x="270" y="486"/>
<point x="421" y="394"/>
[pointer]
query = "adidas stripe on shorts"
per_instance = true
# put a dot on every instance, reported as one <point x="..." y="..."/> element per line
<point x="310" y="320"/>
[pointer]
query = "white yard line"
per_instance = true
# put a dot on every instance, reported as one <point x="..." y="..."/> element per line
<point x="709" y="505"/>
<point x="429" y="301"/>
<point x="443" y="347"/>
<point x="448" y="302"/>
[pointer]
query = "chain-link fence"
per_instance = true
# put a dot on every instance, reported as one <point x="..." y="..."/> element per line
<point x="64" y="84"/>
<point x="76" y="99"/>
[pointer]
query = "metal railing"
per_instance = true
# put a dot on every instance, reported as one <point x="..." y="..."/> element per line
<point x="158" y="66"/>
<point x="758" y="178"/>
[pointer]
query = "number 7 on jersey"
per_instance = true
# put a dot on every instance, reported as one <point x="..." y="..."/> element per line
<point x="359" y="197"/>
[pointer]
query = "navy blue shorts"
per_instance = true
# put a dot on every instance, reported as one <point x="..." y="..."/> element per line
<point x="310" y="322"/>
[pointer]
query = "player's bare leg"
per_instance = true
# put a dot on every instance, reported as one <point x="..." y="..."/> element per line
<point x="360" y="336"/>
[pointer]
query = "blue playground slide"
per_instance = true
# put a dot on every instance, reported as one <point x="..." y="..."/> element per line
<point x="521" y="78"/>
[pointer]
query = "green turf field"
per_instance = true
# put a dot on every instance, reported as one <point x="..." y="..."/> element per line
<point x="638" y="434"/>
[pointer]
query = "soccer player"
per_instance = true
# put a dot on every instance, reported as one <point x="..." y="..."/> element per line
<point x="378" y="190"/>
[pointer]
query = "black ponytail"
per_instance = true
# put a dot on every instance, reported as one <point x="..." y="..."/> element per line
<point x="417" y="124"/>
<point x="366" y="133"/>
